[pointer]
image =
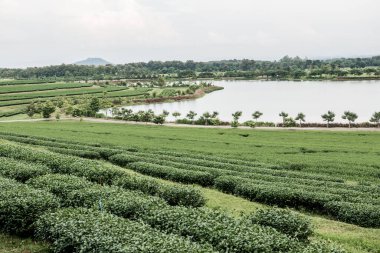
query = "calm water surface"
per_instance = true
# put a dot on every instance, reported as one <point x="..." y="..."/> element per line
<point x="313" y="98"/>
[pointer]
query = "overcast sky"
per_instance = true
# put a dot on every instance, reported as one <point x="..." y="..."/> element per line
<point x="46" y="32"/>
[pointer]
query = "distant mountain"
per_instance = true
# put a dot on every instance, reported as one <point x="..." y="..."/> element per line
<point x="93" y="61"/>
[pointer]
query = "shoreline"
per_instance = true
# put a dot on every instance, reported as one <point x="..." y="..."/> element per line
<point x="171" y="124"/>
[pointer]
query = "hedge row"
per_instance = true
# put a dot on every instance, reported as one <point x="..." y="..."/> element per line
<point x="362" y="214"/>
<point x="350" y="191"/>
<point x="100" y="172"/>
<point x="283" y="220"/>
<point x="78" y="192"/>
<point x="225" y="233"/>
<point x="21" y="171"/>
<point x="21" y="206"/>
<point x="238" y="168"/>
<point x="287" y="196"/>
<point x="201" y="225"/>
<point x="84" y="230"/>
<point x="173" y="174"/>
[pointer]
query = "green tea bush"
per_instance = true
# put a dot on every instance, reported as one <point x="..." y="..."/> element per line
<point x="76" y="152"/>
<point x="139" y="183"/>
<point x="284" y="221"/>
<point x="127" y="204"/>
<point x="362" y="214"/>
<point x="84" y="230"/>
<point x="223" y="232"/>
<point x="21" y="171"/>
<point x="182" y="196"/>
<point x="100" y="172"/>
<point x="172" y="194"/>
<point x="21" y="206"/>
<point x="170" y="173"/>
<point x="60" y="185"/>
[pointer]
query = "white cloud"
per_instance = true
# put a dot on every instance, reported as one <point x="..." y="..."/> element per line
<point x="41" y="32"/>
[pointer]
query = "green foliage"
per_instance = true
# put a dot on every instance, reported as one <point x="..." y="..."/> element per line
<point x="284" y="221"/>
<point x="363" y="214"/>
<point x="170" y="173"/>
<point x="21" y="206"/>
<point x="47" y="109"/>
<point x="59" y="185"/>
<point x="21" y="171"/>
<point x="225" y="233"/>
<point x="83" y="230"/>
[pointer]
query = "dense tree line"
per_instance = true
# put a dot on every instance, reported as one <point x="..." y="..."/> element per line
<point x="287" y="67"/>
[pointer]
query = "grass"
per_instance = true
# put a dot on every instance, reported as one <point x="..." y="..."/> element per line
<point x="41" y="87"/>
<point x="350" y="155"/>
<point x="356" y="154"/>
<point x="13" y="244"/>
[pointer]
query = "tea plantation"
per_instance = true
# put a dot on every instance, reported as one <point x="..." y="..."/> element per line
<point x="98" y="187"/>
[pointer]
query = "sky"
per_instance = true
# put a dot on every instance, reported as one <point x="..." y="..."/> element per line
<point x="50" y="32"/>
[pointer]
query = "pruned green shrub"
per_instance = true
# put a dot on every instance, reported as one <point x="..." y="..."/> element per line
<point x="84" y="230"/>
<point x="222" y="231"/>
<point x="21" y="206"/>
<point x="127" y="204"/>
<point x="143" y="184"/>
<point x="362" y="214"/>
<point x="182" y="196"/>
<point x="284" y="221"/>
<point x="21" y="171"/>
<point x="173" y="174"/>
<point x="60" y="185"/>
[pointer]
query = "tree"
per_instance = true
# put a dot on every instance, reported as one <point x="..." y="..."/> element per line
<point x="165" y="113"/>
<point x="328" y="117"/>
<point x="256" y="115"/>
<point x="31" y="109"/>
<point x="161" y="81"/>
<point x="94" y="106"/>
<point x="350" y="117"/>
<point x="284" y="115"/>
<point x="176" y="115"/>
<point x="206" y="116"/>
<point x="214" y="114"/>
<point x="159" y="119"/>
<point x="236" y="116"/>
<point x="47" y="109"/>
<point x="191" y="115"/>
<point x="375" y="118"/>
<point x="301" y="118"/>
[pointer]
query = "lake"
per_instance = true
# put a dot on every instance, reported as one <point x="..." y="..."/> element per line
<point x="313" y="98"/>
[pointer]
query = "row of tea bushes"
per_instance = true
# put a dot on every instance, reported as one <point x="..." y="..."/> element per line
<point x="204" y="226"/>
<point x="78" y="192"/>
<point x="84" y="230"/>
<point x="21" y="171"/>
<point x="21" y="206"/>
<point x="99" y="172"/>
<point x="170" y="173"/>
<point x="363" y="214"/>
<point x="284" y="221"/>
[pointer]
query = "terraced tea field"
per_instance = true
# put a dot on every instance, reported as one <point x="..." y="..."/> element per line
<point x="16" y="94"/>
<point x="193" y="167"/>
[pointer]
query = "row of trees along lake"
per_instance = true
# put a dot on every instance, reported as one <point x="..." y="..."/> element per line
<point x="208" y="118"/>
<point x="286" y="68"/>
